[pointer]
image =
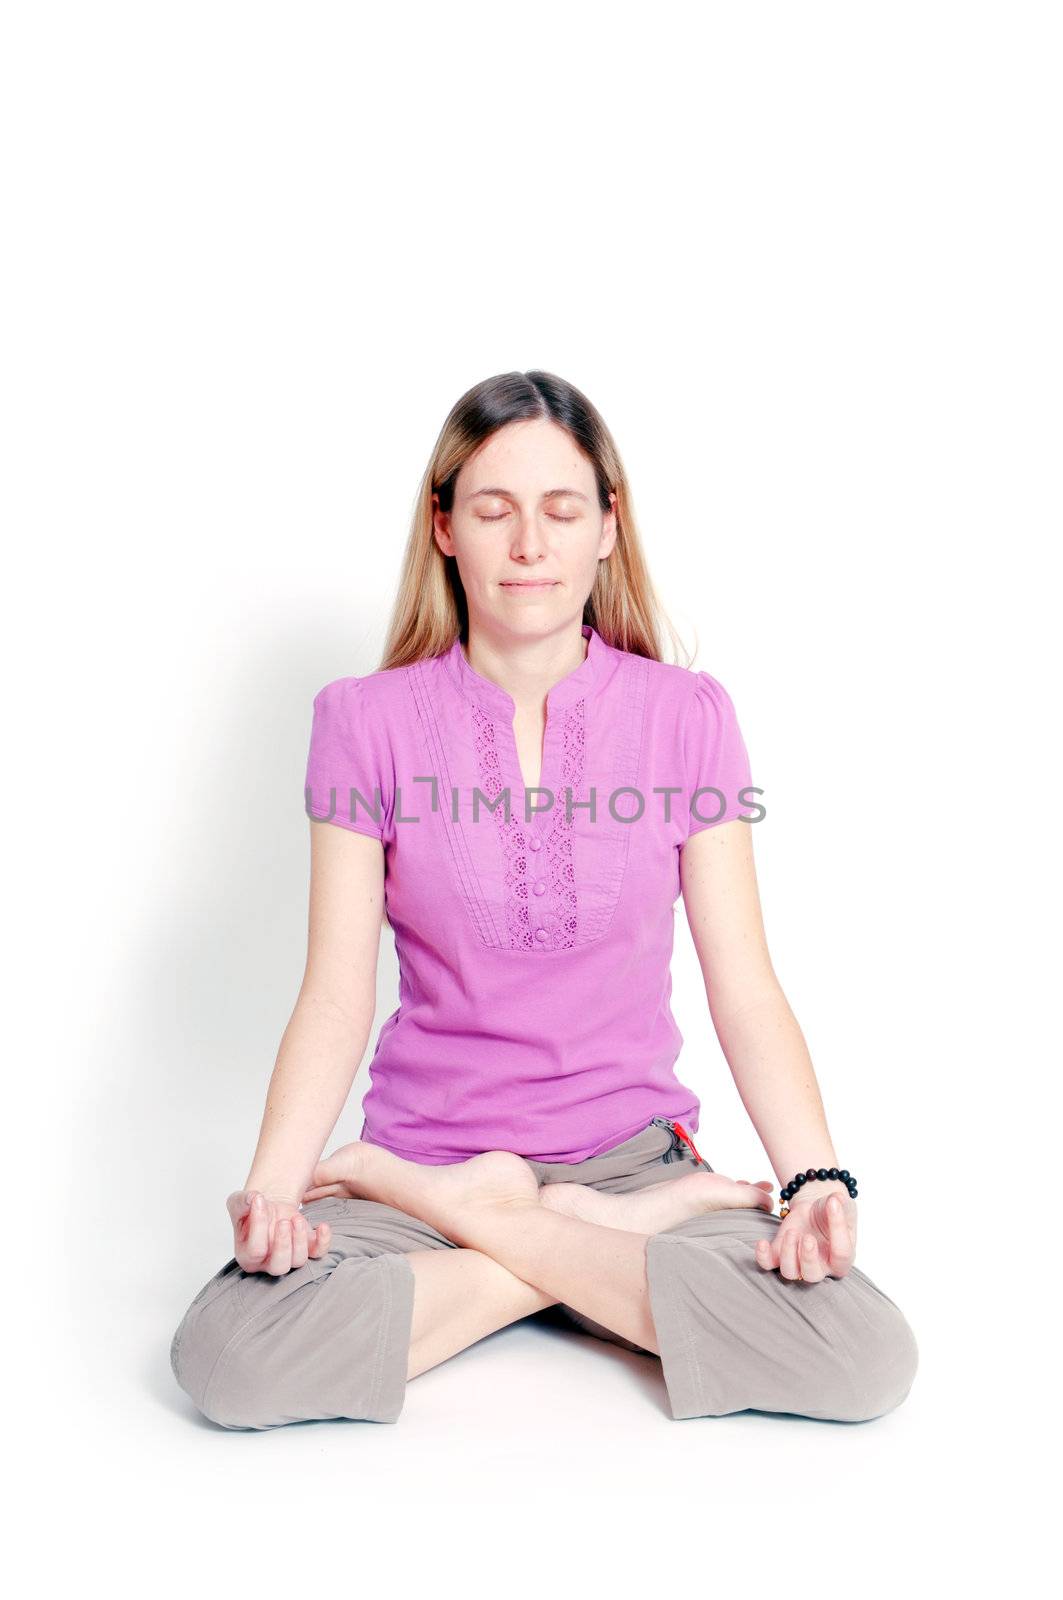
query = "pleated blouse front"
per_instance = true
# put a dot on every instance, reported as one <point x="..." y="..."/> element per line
<point x="533" y="930"/>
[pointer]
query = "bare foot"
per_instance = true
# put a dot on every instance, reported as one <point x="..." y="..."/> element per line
<point x="436" y="1194"/>
<point x="659" y="1205"/>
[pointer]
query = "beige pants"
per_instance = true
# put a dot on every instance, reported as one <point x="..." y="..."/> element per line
<point x="331" y="1339"/>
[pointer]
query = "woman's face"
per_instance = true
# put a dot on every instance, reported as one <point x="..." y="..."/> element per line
<point x="526" y="508"/>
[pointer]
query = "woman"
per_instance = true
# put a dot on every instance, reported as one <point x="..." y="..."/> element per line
<point x="528" y="788"/>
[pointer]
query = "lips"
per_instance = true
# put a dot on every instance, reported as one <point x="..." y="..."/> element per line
<point x="539" y="583"/>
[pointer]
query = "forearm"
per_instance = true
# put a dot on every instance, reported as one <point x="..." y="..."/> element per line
<point x="316" y="1063"/>
<point x="774" y="1076"/>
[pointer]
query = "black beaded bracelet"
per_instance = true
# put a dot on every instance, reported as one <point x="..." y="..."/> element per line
<point x="799" y="1180"/>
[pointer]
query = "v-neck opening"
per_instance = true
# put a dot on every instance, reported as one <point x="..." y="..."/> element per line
<point x="494" y="700"/>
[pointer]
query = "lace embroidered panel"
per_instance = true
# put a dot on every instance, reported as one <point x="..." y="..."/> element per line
<point x="541" y="903"/>
<point x="518" y="882"/>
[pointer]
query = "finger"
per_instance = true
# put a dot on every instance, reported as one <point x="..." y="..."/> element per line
<point x="239" y="1204"/>
<point x="258" y="1233"/>
<point x="300" y="1240"/>
<point x="812" y="1265"/>
<point x="280" y="1256"/>
<point x="765" y="1255"/>
<point x="322" y="1235"/>
<point x="839" y="1236"/>
<point x="281" y="1252"/>
<point x="788" y="1264"/>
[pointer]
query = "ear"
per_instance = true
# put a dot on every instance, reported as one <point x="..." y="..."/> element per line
<point x="608" y="539"/>
<point x="441" y="527"/>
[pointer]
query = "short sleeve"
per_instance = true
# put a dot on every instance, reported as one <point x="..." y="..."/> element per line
<point x="715" y="757"/>
<point x="344" y="782"/>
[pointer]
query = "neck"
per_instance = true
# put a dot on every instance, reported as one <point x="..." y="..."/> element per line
<point x="526" y="669"/>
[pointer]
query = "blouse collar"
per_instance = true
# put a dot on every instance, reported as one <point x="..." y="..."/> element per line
<point x="591" y="672"/>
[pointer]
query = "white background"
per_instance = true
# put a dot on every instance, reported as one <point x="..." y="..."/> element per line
<point x="806" y="260"/>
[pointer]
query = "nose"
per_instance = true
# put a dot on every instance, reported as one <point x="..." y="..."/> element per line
<point x="528" y="542"/>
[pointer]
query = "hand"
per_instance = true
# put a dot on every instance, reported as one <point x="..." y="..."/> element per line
<point x="816" y="1239"/>
<point x="273" y="1235"/>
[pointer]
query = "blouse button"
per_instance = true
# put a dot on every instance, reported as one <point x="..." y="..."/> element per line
<point x="535" y="843"/>
<point x="539" y="888"/>
<point x="540" y="933"/>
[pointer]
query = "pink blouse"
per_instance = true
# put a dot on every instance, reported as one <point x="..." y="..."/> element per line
<point x="534" y="937"/>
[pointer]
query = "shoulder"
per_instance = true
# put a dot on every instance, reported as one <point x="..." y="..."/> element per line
<point x="686" y="691"/>
<point x="363" y="696"/>
<point x="708" y="695"/>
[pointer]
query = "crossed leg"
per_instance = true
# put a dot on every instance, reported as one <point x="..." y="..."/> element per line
<point x="460" y="1296"/>
<point x="477" y="1247"/>
<point x="522" y="1250"/>
<point x="731" y="1335"/>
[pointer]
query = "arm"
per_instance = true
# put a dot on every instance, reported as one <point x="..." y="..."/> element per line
<point x="326" y="1036"/>
<point x="758" y="1033"/>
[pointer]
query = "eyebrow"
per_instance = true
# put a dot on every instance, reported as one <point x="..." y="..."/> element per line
<point x="547" y="494"/>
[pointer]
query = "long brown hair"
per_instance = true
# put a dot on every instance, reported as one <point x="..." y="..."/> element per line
<point x="430" y="609"/>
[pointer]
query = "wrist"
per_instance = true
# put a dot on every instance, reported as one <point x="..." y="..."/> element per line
<point x="817" y="1189"/>
<point x="279" y="1193"/>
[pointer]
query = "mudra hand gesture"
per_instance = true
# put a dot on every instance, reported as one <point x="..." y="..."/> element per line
<point x="273" y="1235"/>
<point x="816" y="1239"/>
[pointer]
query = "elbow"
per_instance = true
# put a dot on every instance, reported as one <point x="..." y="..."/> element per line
<point x="354" y="1010"/>
<point x="730" y="1000"/>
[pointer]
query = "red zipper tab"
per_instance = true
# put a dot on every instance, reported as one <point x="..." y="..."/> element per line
<point x="683" y="1134"/>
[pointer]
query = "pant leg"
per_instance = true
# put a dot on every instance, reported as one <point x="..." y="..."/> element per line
<point x="329" y="1340"/>
<point x="735" y="1337"/>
